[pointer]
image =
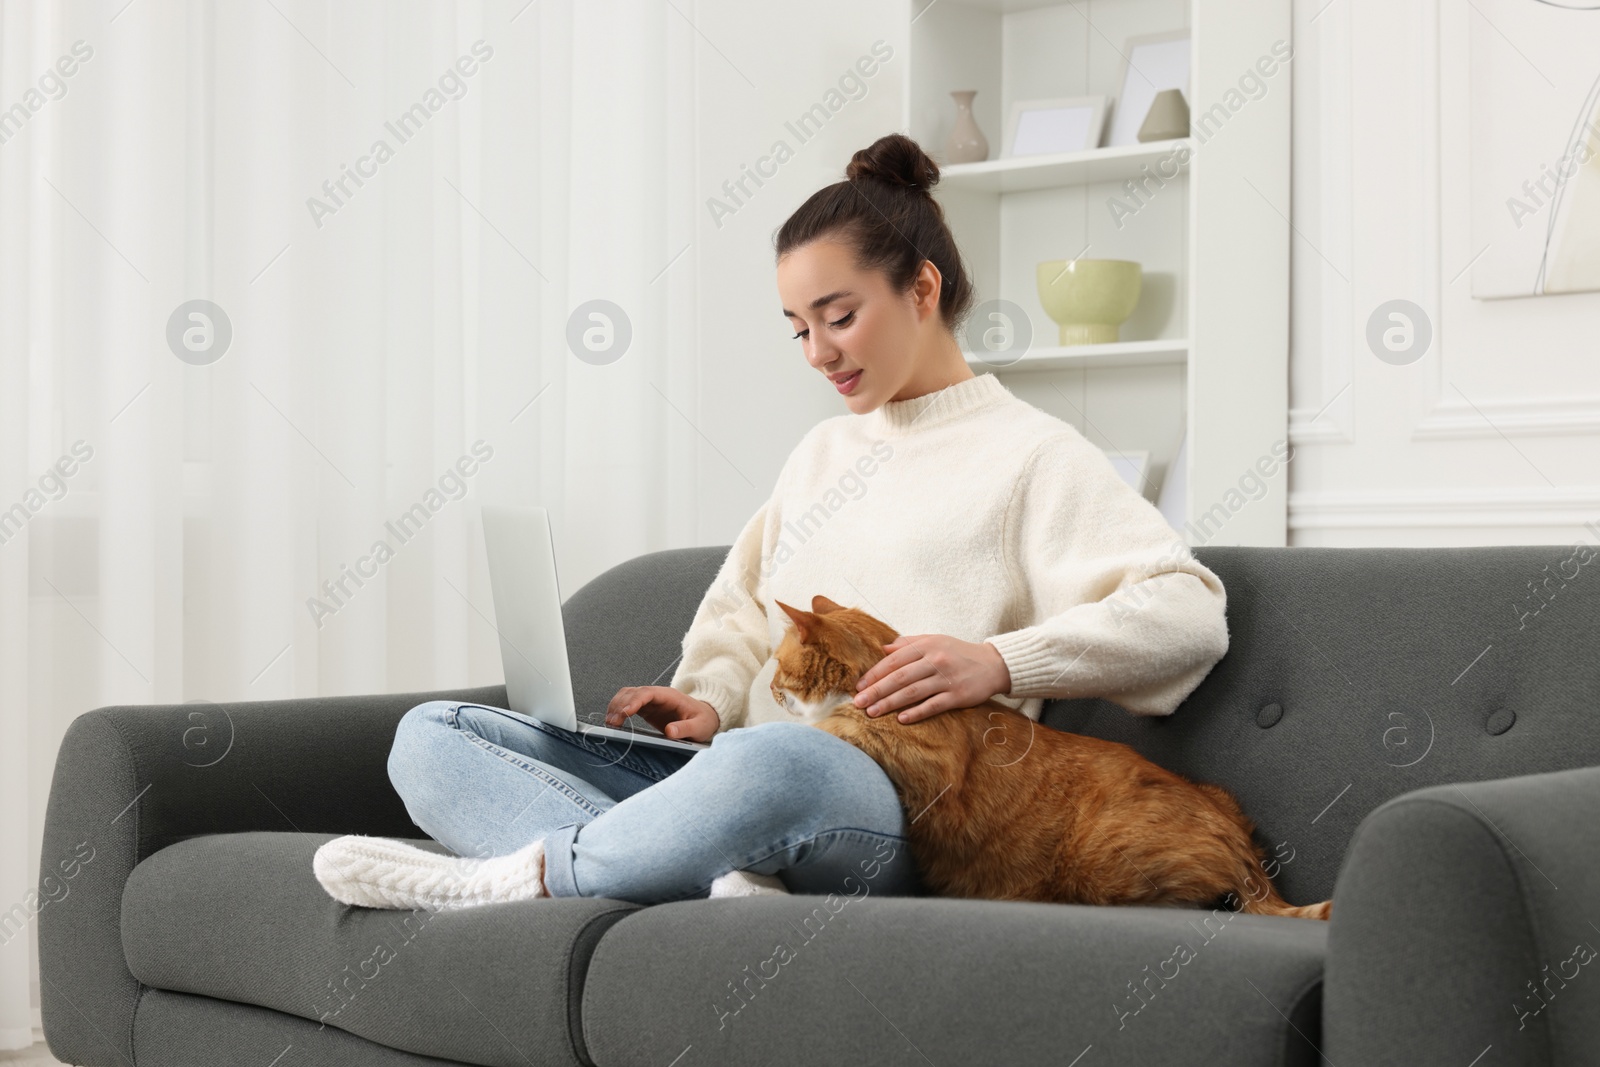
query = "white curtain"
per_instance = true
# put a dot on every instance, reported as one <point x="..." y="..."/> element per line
<point x="170" y="525"/>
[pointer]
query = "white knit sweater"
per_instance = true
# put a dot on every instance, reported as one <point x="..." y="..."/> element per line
<point x="967" y="512"/>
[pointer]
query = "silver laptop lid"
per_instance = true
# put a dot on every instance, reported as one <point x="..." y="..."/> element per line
<point x="527" y="610"/>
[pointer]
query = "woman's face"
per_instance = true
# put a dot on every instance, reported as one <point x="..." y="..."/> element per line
<point x="851" y="322"/>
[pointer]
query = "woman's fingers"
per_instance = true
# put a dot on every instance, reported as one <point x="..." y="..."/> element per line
<point x="687" y="727"/>
<point x="898" y="689"/>
<point x="616" y="711"/>
<point x="634" y="700"/>
<point x="881" y="679"/>
<point x="888" y="663"/>
<point x="925" y="710"/>
<point x="657" y="713"/>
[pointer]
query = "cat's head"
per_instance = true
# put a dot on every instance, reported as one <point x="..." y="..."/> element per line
<point x="822" y="655"/>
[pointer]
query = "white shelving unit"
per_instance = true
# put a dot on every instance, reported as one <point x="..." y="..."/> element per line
<point x="1121" y="354"/>
<point x="1206" y="351"/>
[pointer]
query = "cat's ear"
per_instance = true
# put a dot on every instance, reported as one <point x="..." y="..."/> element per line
<point x="805" y="623"/>
<point x="822" y="605"/>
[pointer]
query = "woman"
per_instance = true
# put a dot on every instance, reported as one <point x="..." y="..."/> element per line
<point x="1002" y="545"/>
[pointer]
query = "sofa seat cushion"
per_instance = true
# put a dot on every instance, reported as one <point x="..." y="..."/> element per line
<point x="868" y="980"/>
<point x="241" y="917"/>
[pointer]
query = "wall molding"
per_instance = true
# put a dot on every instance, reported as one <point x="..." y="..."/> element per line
<point x="1458" y="508"/>
<point x="1306" y="428"/>
<point x="1529" y="416"/>
<point x="1336" y="364"/>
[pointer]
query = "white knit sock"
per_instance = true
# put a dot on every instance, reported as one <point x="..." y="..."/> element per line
<point x="376" y="872"/>
<point x="748" y="884"/>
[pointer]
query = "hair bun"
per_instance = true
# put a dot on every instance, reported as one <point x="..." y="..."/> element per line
<point x="897" y="160"/>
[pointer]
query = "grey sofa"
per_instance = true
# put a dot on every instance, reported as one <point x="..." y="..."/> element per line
<point x="1415" y="732"/>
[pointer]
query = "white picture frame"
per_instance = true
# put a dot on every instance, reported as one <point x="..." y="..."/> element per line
<point x="1174" y="497"/>
<point x="1155" y="61"/>
<point x="1051" y="125"/>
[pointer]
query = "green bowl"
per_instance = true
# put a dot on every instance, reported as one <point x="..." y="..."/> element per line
<point x="1089" y="298"/>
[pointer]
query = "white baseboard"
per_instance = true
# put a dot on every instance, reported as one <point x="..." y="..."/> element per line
<point x="16" y="1039"/>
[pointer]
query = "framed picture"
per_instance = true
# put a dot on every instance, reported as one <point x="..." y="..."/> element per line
<point x="1057" y="124"/>
<point x="1534" y="128"/>
<point x="1156" y="61"/>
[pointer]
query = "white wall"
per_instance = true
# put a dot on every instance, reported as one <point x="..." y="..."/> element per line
<point x="1493" y="436"/>
<point x="757" y="394"/>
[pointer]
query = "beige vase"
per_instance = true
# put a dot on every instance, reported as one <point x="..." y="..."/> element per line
<point x="967" y="143"/>
<point x="1167" y="119"/>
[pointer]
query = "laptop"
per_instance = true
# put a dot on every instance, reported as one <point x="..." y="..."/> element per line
<point x="533" y="641"/>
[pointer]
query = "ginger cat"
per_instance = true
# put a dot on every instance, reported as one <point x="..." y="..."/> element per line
<point x="1003" y="808"/>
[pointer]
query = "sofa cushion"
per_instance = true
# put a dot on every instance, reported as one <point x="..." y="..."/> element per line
<point x="863" y="980"/>
<point x="241" y="917"/>
<point x="182" y="1030"/>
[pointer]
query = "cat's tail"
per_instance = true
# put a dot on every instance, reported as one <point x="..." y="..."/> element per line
<point x="1252" y="887"/>
<point x="1323" y="911"/>
<point x="1258" y="896"/>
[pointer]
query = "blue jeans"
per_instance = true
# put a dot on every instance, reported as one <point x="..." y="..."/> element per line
<point x="651" y="825"/>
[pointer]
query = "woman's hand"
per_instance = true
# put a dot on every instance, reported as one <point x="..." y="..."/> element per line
<point x="929" y="673"/>
<point x="677" y="715"/>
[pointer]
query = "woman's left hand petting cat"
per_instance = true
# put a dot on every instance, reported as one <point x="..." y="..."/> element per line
<point x="925" y="674"/>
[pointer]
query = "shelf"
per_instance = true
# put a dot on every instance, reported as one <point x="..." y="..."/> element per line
<point x="1121" y="354"/>
<point x="1002" y="6"/>
<point x="1057" y="169"/>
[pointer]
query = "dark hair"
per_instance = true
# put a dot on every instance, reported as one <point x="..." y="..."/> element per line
<point x="885" y="210"/>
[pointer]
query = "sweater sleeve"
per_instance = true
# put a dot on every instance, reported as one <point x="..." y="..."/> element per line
<point x="1119" y="606"/>
<point x="728" y="641"/>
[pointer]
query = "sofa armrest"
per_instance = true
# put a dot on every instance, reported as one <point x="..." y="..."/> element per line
<point x="1464" y="917"/>
<point x="130" y="781"/>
